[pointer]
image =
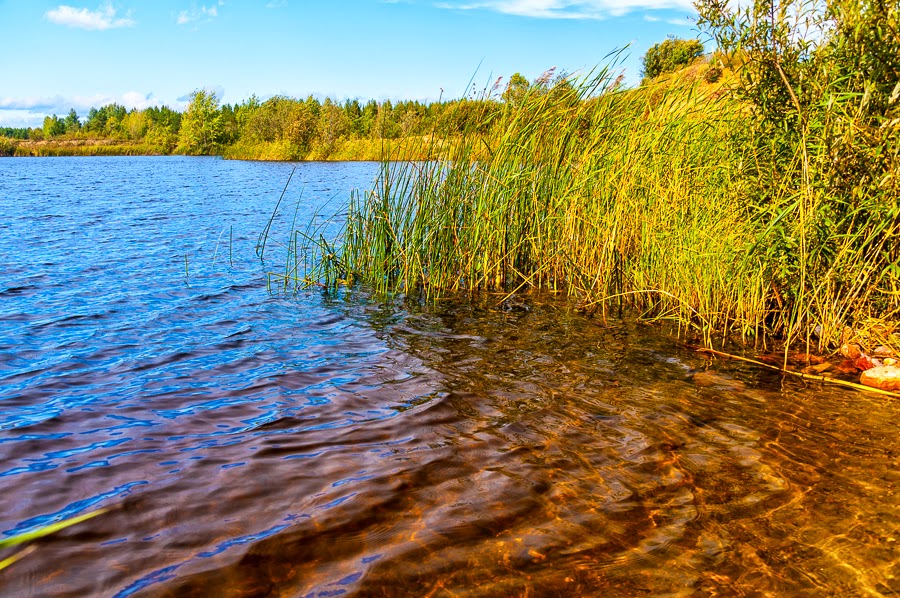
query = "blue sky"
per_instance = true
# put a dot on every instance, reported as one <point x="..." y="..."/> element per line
<point x="78" y="54"/>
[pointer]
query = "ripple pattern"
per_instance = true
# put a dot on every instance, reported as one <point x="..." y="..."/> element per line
<point x="249" y="444"/>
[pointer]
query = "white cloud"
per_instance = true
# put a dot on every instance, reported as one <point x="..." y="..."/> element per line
<point x="30" y="111"/>
<point x="566" y="9"/>
<point x="81" y="18"/>
<point x="195" y="14"/>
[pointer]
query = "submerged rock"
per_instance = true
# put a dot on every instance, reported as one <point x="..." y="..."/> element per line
<point x="710" y="378"/>
<point x="818" y="368"/>
<point x="805" y="359"/>
<point x="886" y="377"/>
<point x="846" y="367"/>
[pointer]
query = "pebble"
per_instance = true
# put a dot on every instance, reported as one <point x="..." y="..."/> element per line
<point x="882" y="351"/>
<point x="851" y="351"/>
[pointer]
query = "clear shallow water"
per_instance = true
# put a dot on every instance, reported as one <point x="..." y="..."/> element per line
<point x="250" y="444"/>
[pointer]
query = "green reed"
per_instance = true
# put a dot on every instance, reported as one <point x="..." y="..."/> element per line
<point x="655" y="198"/>
<point x="612" y="195"/>
<point x="26" y="537"/>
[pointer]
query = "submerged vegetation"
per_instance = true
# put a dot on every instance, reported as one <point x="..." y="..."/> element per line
<point x="766" y="204"/>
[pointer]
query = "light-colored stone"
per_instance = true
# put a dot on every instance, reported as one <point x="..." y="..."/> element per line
<point x="851" y="351"/>
<point x="882" y="351"/>
<point x="886" y="377"/>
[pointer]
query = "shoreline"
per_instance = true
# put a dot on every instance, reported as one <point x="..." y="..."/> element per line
<point x="343" y="150"/>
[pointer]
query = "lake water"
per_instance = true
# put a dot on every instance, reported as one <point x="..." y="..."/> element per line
<point x="247" y="443"/>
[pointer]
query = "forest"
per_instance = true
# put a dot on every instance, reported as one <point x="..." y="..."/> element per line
<point x="278" y="128"/>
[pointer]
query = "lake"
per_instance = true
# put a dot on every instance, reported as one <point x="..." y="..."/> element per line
<point x="246" y="442"/>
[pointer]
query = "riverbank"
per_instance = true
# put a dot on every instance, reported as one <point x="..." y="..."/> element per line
<point x="76" y="147"/>
<point x="342" y="150"/>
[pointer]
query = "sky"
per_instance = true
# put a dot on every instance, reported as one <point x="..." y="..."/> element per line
<point x="139" y="53"/>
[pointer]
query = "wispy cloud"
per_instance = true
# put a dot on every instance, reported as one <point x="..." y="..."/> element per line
<point x="30" y="111"/>
<point x="683" y="22"/>
<point x="206" y="13"/>
<point x="566" y="9"/>
<point x="82" y="18"/>
<point x="61" y="104"/>
<point x="276" y="4"/>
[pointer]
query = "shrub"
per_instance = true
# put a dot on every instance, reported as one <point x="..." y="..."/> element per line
<point x="670" y="55"/>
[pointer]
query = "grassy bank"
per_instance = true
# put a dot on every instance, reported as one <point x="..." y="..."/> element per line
<point x="665" y="198"/>
<point x="412" y="148"/>
<point x="342" y="150"/>
<point x="78" y="147"/>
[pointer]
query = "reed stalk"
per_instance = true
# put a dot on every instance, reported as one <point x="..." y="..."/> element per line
<point x="662" y="198"/>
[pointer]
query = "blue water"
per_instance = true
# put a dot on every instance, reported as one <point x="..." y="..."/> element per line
<point x="243" y="441"/>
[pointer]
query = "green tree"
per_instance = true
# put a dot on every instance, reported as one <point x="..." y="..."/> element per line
<point x="53" y="126"/>
<point x="516" y="88"/>
<point x="362" y="125"/>
<point x="201" y="124"/>
<point x="386" y="125"/>
<point x="136" y="124"/>
<point x="71" y="122"/>
<point x="333" y="124"/>
<point x="669" y="56"/>
<point x="95" y="121"/>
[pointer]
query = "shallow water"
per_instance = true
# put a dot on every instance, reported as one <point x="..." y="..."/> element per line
<point x="252" y="444"/>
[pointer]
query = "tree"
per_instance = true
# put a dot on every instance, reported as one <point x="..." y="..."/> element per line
<point x="71" y="122"/>
<point x="516" y="88"/>
<point x="53" y="126"/>
<point x="669" y="56"/>
<point x="136" y="124"/>
<point x="333" y="123"/>
<point x="201" y="124"/>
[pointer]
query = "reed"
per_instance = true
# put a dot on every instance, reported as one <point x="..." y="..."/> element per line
<point x="29" y="536"/>
<point x="344" y="150"/>
<point x="82" y="148"/>
<point x="611" y="195"/>
<point x="659" y="198"/>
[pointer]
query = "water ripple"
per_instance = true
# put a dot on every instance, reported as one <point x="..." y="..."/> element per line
<point x="325" y="444"/>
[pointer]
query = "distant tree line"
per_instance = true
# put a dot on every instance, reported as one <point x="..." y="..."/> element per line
<point x="208" y="126"/>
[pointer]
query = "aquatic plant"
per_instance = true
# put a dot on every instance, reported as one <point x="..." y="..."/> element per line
<point x="673" y="198"/>
<point x="762" y="201"/>
<point x="40" y="532"/>
<point x="609" y="194"/>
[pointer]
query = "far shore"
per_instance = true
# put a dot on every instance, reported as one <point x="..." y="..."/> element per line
<point x="343" y="150"/>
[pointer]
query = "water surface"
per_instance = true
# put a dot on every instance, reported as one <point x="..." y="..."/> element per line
<point x="249" y="444"/>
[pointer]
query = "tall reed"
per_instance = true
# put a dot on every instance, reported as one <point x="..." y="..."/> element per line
<point x="662" y="198"/>
<point x="608" y="194"/>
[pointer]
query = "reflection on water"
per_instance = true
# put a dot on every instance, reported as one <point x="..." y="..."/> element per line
<point x="332" y="445"/>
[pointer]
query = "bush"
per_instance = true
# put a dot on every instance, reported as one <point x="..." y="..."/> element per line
<point x="7" y="146"/>
<point x="820" y="83"/>
<point x="670" y="55"/>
